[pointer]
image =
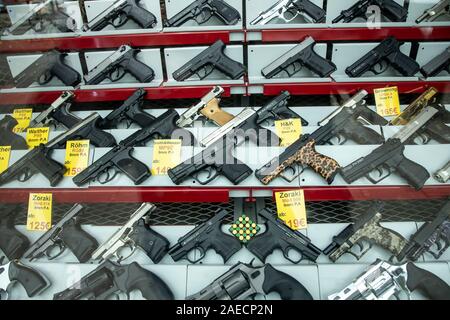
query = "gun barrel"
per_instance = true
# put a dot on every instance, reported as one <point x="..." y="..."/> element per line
<point x="443" y="175"/>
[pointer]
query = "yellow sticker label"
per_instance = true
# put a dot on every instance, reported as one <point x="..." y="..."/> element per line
<point x="36" y="136"/>
<point x="291" y="208"/>
<point x="39" y="216"/>
<point x="288" y="130"/>
<point x="77" y="157"/>
<point x="387" y="101"/>
<point x="166" y="155"/>
<point x="23" y="117"/>
<point x="5" y="153"/>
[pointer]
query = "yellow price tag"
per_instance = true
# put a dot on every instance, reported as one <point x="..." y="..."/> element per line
<point x="387" y="101"/>
<point x="39" y="216"/>
<point x="5" y="153"/>
<point x="288" y="130"/>
<point x="23" y="117"/>
<point x="166" y="155"/>
<point x="291" y="208"/>
<point x="36" y="136"/>
<point x="77" y="157"/>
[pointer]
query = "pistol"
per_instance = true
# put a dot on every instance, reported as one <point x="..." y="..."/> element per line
<point x="118" y="64"/>
<point x="302" y="55"/>
<point x="279" y="236"/>
<point x="134" y="234"/>
<point x="50" y="64"/>
<point x="436" y="11"/>
<point x="118" y="13"/>
<point x="366" y="229"/>
<point x="67" y="233"/>
<point x="388" y="8"/>
<point x="202" y="10"/>
<point x="386" y="54"/>
<point x="130" y="112"/>
<point x="437" y="65"/>
<point x="207" y="235"/>
<point x="207" y="61"/>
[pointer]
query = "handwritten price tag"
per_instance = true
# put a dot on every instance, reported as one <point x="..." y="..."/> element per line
<point x="291" y="208"/>
<point x="36" y="136"/>
<point x="288" y="130"/>
<point x="387" y="101"/>
<point x="23" y="117"/>
<point x="77" y="157"/>
<point x="5" y="153"/>
<point x="166" y="155"/>
<point x="39" y="216"/>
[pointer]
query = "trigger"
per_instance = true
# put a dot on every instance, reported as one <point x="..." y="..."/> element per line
<point x="380" y="67"/>
<point x="25" y="176"/>
<point x="45" y="78"/>
<point x="207" y="70"/>
<point x="122" y="19"/>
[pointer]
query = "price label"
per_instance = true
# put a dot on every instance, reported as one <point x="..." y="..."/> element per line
<point x="291" y="208"/>
<point x="36" y="136"/>
<point x="387" y="101"/>
<point x="39" y="216"/>
<point x="77" y="157"/>
<point x="5" y="153"/>
<point x="23" y="117"/>
<point x="288" y="130"/>
<point x="166" y="155"/>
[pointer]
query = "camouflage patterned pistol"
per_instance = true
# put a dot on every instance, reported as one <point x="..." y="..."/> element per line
<point x="366" y="229"/>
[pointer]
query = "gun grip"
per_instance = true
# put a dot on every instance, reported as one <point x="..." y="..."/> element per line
<point x="31" y="280"/>
<point x="433" y="286"/>
<point x="315" y="12"/>
<point x="262" y="245"/>
<point x="68" y="75"/>
<point x="316" y="63"/>
<point x="13" y="243"/>
<point x="323" y="165"/>
<point x="149" y="284"/>
<point x="235" y="172"/>
<point x="50" y="168"/>
<point x="225" y="245"/>
<point x="285" y="285"/>
<point x="414" y="173"/>
<point x="438" y="130"/>
<point x="142" y="72"/>
<point x="154" y="244"/>
<point x="81" y="243"/>
<point x="225" y="12"/>
<point x="213" y="112"/>
<point x="142" y="17"/>
<point x="407" y="66"/>
<point x="231" y="68"/>
<point x="131" y="167"/>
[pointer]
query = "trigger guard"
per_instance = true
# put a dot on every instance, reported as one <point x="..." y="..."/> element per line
<point x="108" y="176"/>
<point x="122" y="18"/>
<point x="209" y="178"/>
<point x="382" y="65"/>
<point x="206" y="72"/>
<point x="26" y="175"/>
<point x="202" y="255"/>
<point x="294" y="69"/>
<point x="294" y="15"/>
<point x="286" y="255"/>
<point x="58" y="244"/>
<point x="45" y="78"/>
<point x="294" y="170"/>
<point x="120" y="74"/>
<point x="204" y="16"/>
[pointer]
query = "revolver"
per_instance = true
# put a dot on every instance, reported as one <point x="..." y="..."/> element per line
<point x="366" y="229"/>
<point x="244" y="281"/>
<point x="206" y="61"/>
<point x="118" y="14"/>
<point x="118" y="64"/>
<point x="12" y="243"/>
<point x="32" y="280"/>
<point x="67" y="233"/>
<point x="288" y="10"/>
<point x="205" y="236"/>
<point x="383" y="280"/>
<point x="202" y="10"/>
<point x="134" y="234"/>
<point x="110" y="279"/>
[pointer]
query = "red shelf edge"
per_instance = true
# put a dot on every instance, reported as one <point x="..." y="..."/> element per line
<point x="114" y="41"/>
<point x="357" y="34"/>
<point x="205" y="194"/>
